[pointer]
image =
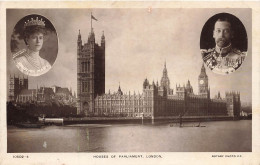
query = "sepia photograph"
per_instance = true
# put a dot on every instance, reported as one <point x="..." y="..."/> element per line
<point x="129" y="83"/>
<point x="230" y="46"/>
<point x="34" y="43"/>
<point x="126" y="80"/>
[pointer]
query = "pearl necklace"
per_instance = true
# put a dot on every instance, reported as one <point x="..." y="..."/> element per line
<point x="34" y="59"/>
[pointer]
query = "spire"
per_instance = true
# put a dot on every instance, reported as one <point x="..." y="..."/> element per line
<point x="153" y="83"/>
<point x="79" y="36"/>
<point x="203" y="71"/>
<point x="165" y="69"/>
<point x="219" y="95"/>
<point x="188" y="83"/>
<point x="91" y="23"/>
<point x="165" y="82"/>
<point x="203" y="66"/>
<point x="146" y="83"/>
<point x="119" y="91"/>
<point x="119" y="86"/>
<point x="103" y="40"/>
<point x="103" y="36"/>
<point x="79" y="41"/>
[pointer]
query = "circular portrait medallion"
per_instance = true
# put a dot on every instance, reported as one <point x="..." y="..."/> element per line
<point x="34" y="45"/>
<point x="223" y="43"/>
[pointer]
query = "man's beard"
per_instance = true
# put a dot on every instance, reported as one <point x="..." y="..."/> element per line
<point x="222" y="42"/>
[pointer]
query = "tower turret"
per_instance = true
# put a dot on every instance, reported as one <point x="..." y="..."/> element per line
<point x="103" y="42"/>
<point x="119" y="91"/>
<point x="91" y="37"/>
<point x="79" y="42"/>
<point x="146" y="83"/>
<point x="90" y="72"/>
<point x="165" y="82"/>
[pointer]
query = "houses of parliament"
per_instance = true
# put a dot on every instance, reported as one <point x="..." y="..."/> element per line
<point x="156" y="100"/>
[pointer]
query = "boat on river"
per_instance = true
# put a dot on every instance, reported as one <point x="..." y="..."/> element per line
<point x="182" y="125"/>
<point x="29" y="125"/>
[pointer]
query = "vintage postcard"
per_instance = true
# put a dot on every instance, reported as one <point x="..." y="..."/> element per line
<point x="130" y="82"/>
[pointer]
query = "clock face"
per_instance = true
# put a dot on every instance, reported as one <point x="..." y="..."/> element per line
<point x="201" y="82"/>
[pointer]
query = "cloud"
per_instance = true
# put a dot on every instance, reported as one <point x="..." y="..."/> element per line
<point x="138" y="43"/>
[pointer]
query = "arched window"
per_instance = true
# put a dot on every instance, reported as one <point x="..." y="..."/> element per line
<point x="85" y="67"/>
<point x="85" y="86"/>
<point x="88" y="66"/>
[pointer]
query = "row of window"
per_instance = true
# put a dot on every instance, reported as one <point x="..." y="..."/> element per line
<point x="123" y="102"/>
<point x="126" y="110"/>
<point x="85" y="86"/>
<point x="85" y="66"/>
<point x="25" y="98"/>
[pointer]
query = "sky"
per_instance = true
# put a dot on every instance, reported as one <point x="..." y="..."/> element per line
<point x="138" y="43"/>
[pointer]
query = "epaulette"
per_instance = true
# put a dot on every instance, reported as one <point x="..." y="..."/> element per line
<point x="207" y="54"/>
<point x="243" y="54"/>
<point x="207" y="57"/>
<point x="207" y="50"/>
<point x="203" y="50"/>
<point x="237" y="51"/>
<point x="19" y="53"/>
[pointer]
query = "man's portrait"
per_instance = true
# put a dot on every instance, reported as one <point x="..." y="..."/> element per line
<point x="229" y="48"/>
<point x="34" y="45"/>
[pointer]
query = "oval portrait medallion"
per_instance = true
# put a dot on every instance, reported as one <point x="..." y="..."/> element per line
<point x="34" y="45"/>
<point x="223" y="43"/>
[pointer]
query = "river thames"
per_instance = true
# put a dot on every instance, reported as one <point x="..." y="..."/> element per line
<point x="217" y="136"/>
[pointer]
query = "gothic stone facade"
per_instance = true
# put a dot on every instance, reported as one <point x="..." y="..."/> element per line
<point x="16" y="85"/>
<point x="90" y="72"/>
<point x="19" y="92"/>
<point x="155" y="101"/>
<point x="160" y="101"/>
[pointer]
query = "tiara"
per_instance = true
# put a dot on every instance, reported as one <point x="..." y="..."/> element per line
<point x="33" y="22"/>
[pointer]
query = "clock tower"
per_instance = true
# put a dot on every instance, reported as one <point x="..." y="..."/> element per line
<point x="203" y="82"/>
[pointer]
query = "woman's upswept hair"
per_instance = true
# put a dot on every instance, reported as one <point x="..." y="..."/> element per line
<point x="32" y="30"/>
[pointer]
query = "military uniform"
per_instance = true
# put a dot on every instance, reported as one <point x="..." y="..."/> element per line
<point x="30" y="63"/>
<point x="223" y="61"/>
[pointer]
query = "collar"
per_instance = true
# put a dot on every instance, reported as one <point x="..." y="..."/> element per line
<point x="32" y="53"/>
<point x="223" y="51"/>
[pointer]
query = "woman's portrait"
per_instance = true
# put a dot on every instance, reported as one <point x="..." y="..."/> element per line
<point x="34" y="45"/>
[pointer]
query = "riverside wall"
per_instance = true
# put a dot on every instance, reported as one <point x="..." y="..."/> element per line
<point x="126" y="120"/>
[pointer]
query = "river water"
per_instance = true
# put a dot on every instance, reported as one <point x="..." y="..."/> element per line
<point x="217" y="136"/>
